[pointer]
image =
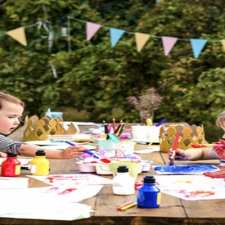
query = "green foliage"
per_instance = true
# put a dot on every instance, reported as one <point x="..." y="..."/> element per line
<point x="94" y="80"/>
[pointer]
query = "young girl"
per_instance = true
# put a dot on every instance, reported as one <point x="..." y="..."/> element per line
<point x="202" y="153"/>
<point x="11" y="110"/>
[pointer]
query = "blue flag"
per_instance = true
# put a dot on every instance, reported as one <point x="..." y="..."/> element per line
<point x="115" y="35"/>
<point x="197" y="46"/>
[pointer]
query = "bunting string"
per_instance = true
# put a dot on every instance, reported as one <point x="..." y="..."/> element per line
<point x="116" y="34"/>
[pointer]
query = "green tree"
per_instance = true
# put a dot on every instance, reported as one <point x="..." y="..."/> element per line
<point x="94" y="79"/>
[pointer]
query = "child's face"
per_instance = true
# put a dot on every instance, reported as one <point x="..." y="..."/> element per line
<point x="10" y="115"/>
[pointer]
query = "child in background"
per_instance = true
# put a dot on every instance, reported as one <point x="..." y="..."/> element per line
<point x="202" y="153"/>
<point x="11" y="110"/>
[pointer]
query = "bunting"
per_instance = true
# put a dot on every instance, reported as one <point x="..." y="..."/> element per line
<point x="197" y="46"/>
<point x="141" y="40"/>
<point x="115" y="35"/>
<point x="19" y="35"/>
<point x="168" y="44"/>
<point x="91" y="29"/>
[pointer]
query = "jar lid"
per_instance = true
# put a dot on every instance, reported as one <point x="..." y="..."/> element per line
<point x="149" y="179"/>
<point x="122" y="169"/>
<point x="40" y="152"/>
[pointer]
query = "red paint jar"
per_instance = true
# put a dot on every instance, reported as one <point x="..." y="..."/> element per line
<point x="11" y="167"/>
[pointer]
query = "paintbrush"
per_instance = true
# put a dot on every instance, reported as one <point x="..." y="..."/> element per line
<point x="172" y="151"/>
<point x="114" y="124"/>
<point x="106" y="129"/>
<point x="119" y="128"/>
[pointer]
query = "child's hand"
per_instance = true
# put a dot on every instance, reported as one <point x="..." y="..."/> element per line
<point x="3" y="154"/>
<point x="172" y="156"/>
<point x="189" y="154"/>
<point x="72" y="152"/>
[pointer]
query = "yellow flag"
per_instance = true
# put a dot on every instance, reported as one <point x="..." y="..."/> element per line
<point x="223" y="43"/>
<point x="141" y="40"/>
<point x="19" y="35"/>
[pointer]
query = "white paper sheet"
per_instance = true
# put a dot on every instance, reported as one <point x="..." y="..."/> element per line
<point x="13" y="182"/>
<point x="73" y="179"/>
<point x="33" y="203"/>
<point x="73" y="187"/>
<point x="71" y="194"/>
<point x="192" y="187"/>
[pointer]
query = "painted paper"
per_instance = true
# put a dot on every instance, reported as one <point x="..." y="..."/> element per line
<point x="185" y="169"/>
<point x="191" y="187"/>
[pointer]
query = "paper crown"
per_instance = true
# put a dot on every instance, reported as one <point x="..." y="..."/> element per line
<point x="40" y="129"/>
<point x="189" y="135"/>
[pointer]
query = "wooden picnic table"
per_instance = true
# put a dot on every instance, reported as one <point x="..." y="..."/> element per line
<point x="172" y="210"/>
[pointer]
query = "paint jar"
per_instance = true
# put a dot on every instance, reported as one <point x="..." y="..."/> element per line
<point x="107" y="148"/>
<point x="40" y="164"/>
<point x="125" y="148"/>
<point x="123" y="183"/>
<point x="146" y="165"/>
<point x="145" y="134"/>
<point x="11" y="167"/>
<point x="148" y="195"/>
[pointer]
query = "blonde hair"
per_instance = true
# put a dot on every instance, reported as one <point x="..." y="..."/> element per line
<point x="10" y="98"/>
<point x="220" y="121"/>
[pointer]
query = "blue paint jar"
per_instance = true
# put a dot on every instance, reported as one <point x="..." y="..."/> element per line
<point x="149" y="195"/>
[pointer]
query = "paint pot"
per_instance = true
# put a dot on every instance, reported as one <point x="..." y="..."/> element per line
<point x="145" y="134"/>
<point x="11" y="167"/>
<point x="149" y="194"/>
<point x="40" y="164"/>
<point x="146" y="165"/>
<point x="123" y="183"/>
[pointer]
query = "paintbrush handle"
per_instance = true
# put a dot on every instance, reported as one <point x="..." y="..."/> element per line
<point x="172" y="151"/>
<point x="176" y="141"/>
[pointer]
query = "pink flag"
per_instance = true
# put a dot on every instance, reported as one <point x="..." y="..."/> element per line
<point x="168" y="43"/>
<point x="91" y="29"/>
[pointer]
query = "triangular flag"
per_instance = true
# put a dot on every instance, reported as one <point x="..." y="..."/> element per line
<point x="223" y="43"/>
<point x="197" y="46"/>
<point x="19" y="35"/>
<point x="141" y="40"/>
<point x="115" y="35"/>
<point x="168" y="44"/>
<point x="91" y="29"/>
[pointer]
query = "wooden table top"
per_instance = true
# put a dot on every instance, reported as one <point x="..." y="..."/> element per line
<point x="172" y="210"/>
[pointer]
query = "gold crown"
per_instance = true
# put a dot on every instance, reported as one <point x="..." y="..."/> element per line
<point x="189" y="134"/>
<point x="40" y="129"/>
